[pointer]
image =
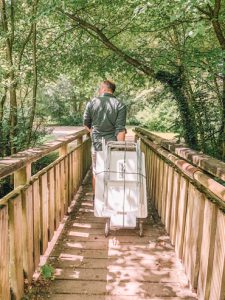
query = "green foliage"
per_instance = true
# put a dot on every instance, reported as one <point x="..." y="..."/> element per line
<point x="62" y="102"/>
<point x="175" y="39"/>
<point x="44" y="162"/>
<point x="5" y="186"/>
<point x="47" y="271"/>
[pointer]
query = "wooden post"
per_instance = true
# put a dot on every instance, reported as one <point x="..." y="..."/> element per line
<point x="181" y="216"/>
<point x="57" y="195"/>
<point x="37" y="219"/>
<point x="28" y="232"/>
<point x="16" y="247"/>
<point x="44" y="212"/>
<point x="164" y="192"/>
<point x="174" y="206"/>
<point x="169" y="197"/>
<point x="207" y="251"/>
<point x="217" y="289"/>
<point x="80" y="140"/>
<point x="4" y="255"/>
<point x="22" y="176"/>
<point x="63" y="150"/>
<point x="62" y="189"/>
<point x="193" y="234"/>
<point x="51" y="204"/>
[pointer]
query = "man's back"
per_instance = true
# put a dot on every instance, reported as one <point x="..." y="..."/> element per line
<point x="106" y="116"/>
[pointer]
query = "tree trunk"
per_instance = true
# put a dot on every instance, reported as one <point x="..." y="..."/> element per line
<point x="176" y="83"/>
<point x="11" y="74"/>
<point x="2" y="144"/>
<point x="221" y="137"/>
<point x="35" y="79"/>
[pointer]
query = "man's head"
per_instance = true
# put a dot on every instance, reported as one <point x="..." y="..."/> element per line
<point x="107" y="87"/>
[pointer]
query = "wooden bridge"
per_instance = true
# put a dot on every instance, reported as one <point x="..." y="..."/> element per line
<point x="180" y="257"/>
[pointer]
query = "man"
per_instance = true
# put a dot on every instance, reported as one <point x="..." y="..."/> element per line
<point x="104" y="117"/>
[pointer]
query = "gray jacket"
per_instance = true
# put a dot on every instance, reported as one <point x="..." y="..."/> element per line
<point x="106" y="116"/>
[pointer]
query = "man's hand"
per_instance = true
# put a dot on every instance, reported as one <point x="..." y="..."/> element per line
<point x="121" y="136"/>
<point x="88" y="129"/>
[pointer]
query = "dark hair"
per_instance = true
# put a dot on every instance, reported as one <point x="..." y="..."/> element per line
<point x="110" y="85"/>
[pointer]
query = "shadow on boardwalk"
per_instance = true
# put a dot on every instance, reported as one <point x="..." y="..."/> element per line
<point x="123" y="266"/>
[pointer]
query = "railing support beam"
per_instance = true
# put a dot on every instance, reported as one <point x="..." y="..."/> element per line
<point x="22" y="176"/>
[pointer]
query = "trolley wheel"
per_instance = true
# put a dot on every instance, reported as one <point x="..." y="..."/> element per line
<point x="140" y="228"/>
<point x="107" y="227"/>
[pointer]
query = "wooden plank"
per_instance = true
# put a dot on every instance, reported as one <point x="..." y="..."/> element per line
<point x="16" y="247"/>
<point x="51" y="203"/>
<point x="44" y="212"/>
<point x="146" y="153"/>
<point x="169" y="198"/>
<point x="154" y="183"/>
<point x="4" y="254"/>
<point x="70" y="179"/>
<point x="134" y="275"/>
<point x="110" y="297"/>
<point x="193" y="234"/>
<point x="76" y="171"/>
<point x="152" y="173"/>
<point x="80" y="166"/>
<point x="181" y="216"/>
<point x="164" y="192"/>
<point x="62" y="189"/>
<point x="217" y="289"/>
<point x="37" y="220"/>
<point x="82" y="159"/>
<point x="174" y="206"/>
<point x="67" y="197"/>
<point x="128" y="288"/>
<point x="28" y="233"/>
<point x="157" y="171"/>
<point x="57" y="196"/>
<point x="207" y="251"/>
<point x="148" y="172"/>
<point x="160" y="179"/>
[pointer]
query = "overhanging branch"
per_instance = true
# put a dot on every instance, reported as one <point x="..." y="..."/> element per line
<point x="98" y="34"/>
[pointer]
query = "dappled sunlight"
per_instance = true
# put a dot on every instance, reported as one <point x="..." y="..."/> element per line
<point x="65" y="256"/>
<point x="74" y="245"/>
<point x="75" y="275"/>
<point x="86" y="210"/>
<point x="58" y="272"/>
<point x="80" y="234"/>
<point x="87" y="204"/>
<point x="82" y="225"/>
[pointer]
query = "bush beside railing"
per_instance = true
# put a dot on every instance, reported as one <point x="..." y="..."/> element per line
<point x="31" y="213"/>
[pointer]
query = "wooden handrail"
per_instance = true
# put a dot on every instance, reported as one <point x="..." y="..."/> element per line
<point x="31" y="213"/>
<point x="191" y="204"/>
<point x="216" y="189"/>
<point x="208" y="164"/>
<point x="10" y="164"/>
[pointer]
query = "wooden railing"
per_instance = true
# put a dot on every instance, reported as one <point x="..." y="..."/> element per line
<point x="31" y="213"/>
<point x="184" y="186"/>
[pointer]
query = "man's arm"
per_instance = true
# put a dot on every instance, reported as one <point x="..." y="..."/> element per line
<point x="121" y="122"/>
<point x="87" y="120"/>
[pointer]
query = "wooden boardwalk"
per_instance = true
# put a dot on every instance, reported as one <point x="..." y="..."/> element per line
<point x="120" y="267"/>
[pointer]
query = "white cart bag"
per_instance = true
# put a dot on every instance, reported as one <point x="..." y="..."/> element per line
<point x="120" y="186"/>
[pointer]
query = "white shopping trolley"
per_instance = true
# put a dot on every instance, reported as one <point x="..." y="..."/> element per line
<point x="120" y="190"/>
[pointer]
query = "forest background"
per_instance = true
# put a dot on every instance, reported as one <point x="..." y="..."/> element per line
<point x="166" y="57"/>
